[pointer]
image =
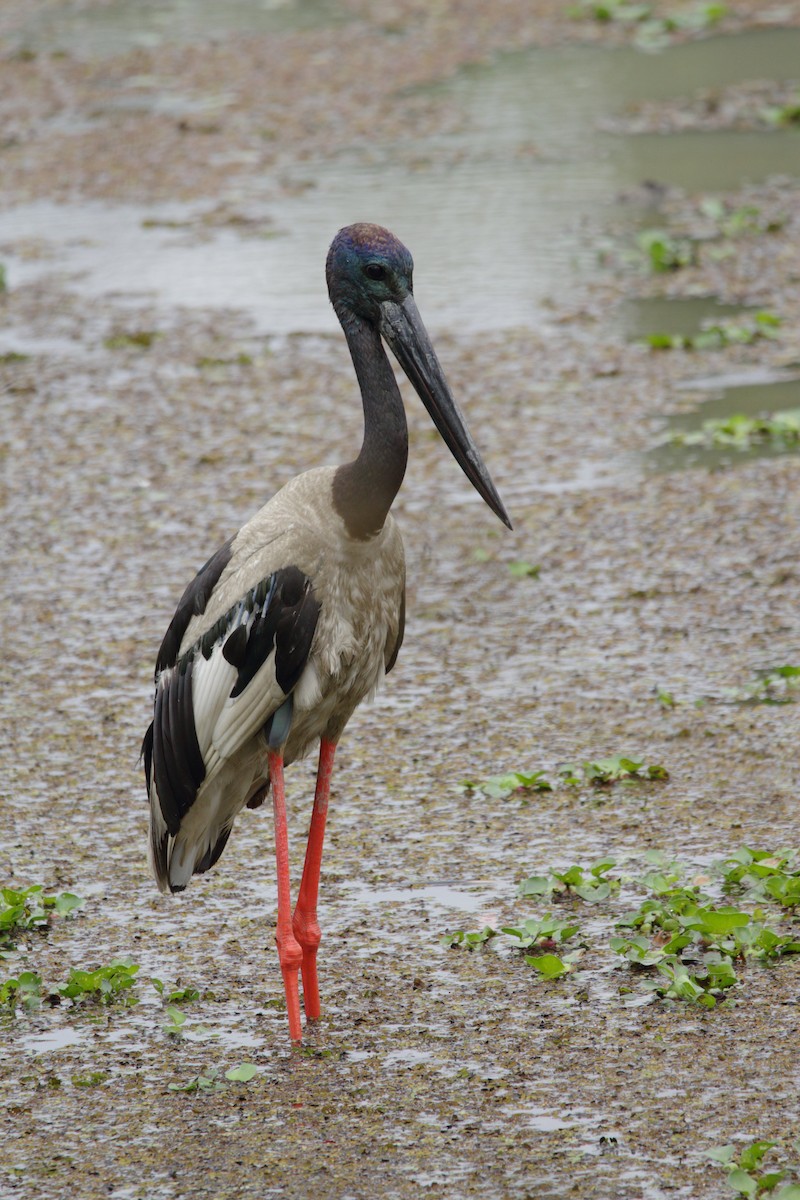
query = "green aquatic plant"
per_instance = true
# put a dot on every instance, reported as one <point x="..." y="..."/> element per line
<point x="541" y="935"/>
<point x="745" y="1176"/>
<point x="102" y="985"/>
<point x="743" y="220"/>
<point x="512" y="783"/>
<point x="138" y="339"/>
<point x="21" y="911"/>
<point x="469" y="939"/>
<point x="590" y="883"/>
<point x="206" y="1081"/>
<point x="663" y="252"/>
<point x="719" y="334"/>
<point x="243" y="1073"/>
<point x="524" y="570"/>
<point x="742" y="432"/>
<point x="175" y="995"/>
<point x="607" y="771"/>
<point x="693" y="943"/>
<point x="25" y="990"/>
<point x="772" y="685"/>
<point x="535" y="931"/>
<point x="783" y="114"/>
<point x="610" y="10"/>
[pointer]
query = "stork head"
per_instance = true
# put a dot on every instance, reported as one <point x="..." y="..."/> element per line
<point x="367" y="266"/>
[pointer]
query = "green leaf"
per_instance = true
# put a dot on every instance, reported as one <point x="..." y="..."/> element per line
<point x="665" y="341"/>
<point x="177" y="1018"/>
<point x="719" y="921"/>
<point x="770" y="1180"/>
<point x="721" y="1154"/>
<point x="66" y="903"/>
<point x="549" y="966"/>
<point x="242" y="1074"/>
<point x="536" y="885"/>
<point x="751" y="1156"/>
<point x="742" y="1183"/>
<point x="524" y="570"/>
<point x="593" y="893"/>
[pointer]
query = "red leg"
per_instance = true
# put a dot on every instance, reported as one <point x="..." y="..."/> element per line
<point x="289" y="952"/>
<point x="305" y="925"/>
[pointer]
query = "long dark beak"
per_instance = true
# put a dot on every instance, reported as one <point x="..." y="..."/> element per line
<point x="401" y="326"/>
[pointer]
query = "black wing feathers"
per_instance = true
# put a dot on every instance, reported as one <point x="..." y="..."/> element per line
<point x="177" y="760"/>
<point x="297" y="621"/>
<point x="259" y="640"/>
<point x="192" y="603"/>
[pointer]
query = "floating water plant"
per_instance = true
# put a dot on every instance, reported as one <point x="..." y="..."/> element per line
<point x="606" y="771"/>
<point x="138" y="339"/>
<point x="590" y="883"/>
<point x="103" y="985"/>
<point x="651" y="30"/>
<point x="783" y="114"/>
<point x="176" y="995"/>
<point x="524" y="570"/>
<point x="773" y="685"/>
<point x="716" y="335"/>
<point x="745" y="1176"/>
<point x="663" y="252"/>
<point x="30" y="908"/>
<point x="762" y="875"/>
<point x="469" y="939"/>
<point x="25" y="990"/>
<point x="541" y="935"/>
<point x="205" y="1081"/>
<point x="512" y="783"/>
<point x="741" y="432"/>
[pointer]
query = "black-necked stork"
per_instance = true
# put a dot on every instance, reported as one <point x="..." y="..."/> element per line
<point x="295" y="620"/>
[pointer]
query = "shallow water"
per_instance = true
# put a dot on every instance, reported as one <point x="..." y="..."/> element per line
<point x="502" y="212"/>
<point x="677" y="316"/>
<point x="121" y="26"/>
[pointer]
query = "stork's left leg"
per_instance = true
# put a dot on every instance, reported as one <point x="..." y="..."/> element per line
<point x="305" y="924"/>
<point x="289" y="952"/>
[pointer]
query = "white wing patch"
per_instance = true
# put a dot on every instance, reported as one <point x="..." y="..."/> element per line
<point x="242" y="717"/>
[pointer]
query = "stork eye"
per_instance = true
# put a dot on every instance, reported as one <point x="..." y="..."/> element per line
<point x="376" y="271"/>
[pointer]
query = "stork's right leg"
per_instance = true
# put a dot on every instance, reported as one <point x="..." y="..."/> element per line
<point x="305" y="924"/>
<point x="289" y="951"/>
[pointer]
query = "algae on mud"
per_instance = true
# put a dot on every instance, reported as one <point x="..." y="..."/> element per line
<point x="432" y="1071"/>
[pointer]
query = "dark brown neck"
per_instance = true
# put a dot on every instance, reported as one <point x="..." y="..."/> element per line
<point x="363" y="490"/>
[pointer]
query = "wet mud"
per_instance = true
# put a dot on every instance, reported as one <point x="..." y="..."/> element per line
<point x="142" y="425"/>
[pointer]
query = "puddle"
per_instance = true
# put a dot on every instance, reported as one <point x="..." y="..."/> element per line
<point x="716" y="161"/>
<point x="56" y="1039"/>
<point x="729" y="396"/>
<point x="499" y="215"/>
<point x="116" y="28"/>
<point x="676" y="316"/>
<point x="406" y="1058"/>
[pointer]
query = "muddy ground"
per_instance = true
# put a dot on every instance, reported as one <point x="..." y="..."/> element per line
<point x="434" y="1072"/>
